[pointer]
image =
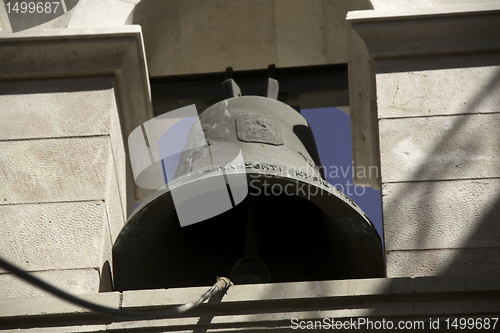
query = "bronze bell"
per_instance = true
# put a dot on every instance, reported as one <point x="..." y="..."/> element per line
<point x="291" y="226"/>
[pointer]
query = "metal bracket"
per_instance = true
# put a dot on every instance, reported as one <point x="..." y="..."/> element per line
<point x="230" y="89"/>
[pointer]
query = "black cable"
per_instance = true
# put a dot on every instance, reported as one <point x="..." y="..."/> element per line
<point x="222" y="283"/>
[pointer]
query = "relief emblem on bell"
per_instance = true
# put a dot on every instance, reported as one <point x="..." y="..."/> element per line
<point x="259" y="129"/>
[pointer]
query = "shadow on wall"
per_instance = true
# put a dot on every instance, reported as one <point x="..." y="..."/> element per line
<point x="106" y="280"/>
<point x="450" y="203"/>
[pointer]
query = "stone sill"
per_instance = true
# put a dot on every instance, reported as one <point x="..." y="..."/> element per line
<point x="274" y="305"/>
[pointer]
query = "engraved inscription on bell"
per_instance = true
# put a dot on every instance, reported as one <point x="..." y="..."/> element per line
<point x="259" y="128"/>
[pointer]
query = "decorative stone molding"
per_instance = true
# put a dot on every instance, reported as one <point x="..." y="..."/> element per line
<point x="116" y="52"/>
<point x="424" y="31"/>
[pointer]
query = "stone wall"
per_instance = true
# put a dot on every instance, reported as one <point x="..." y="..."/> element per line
<point x="437" y="80"/>
<point x="185" y="37"/>
<point x="57" y="174"/>
<point x="65" y="112"/>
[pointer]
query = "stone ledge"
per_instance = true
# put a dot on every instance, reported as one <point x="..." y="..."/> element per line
<point x="422" y="31"/>
<point x="274" y="291"/>
<point x="274" y="305"/>
<point x="75" y="281"/>
<point x="45" y="306"/>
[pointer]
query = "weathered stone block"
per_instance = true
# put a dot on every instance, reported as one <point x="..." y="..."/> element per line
<point x="48" y="170"/>
<point x="56" y="108"/>
<point x="440" y="91"/>
<point x="53" y="235"/>
<point x="443" y="262"/>
<point x="441" y="147"/>
<point x="442" y="214"/>
<point x="39" y="306"/>
<point x="78" y="281"/>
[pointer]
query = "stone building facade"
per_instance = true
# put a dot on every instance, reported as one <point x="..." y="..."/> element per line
<point x="424" y="102"/>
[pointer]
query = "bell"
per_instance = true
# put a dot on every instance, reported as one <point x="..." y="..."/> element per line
<point x="288" y="224"/>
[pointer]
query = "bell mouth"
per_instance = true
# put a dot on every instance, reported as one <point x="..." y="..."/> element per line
<point x="270" y="180"/>
<point x="309" y="231"/>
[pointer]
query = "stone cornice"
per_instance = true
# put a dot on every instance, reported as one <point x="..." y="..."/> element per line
<point x="116" y="52"/>
<point x="423" y="31"/>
